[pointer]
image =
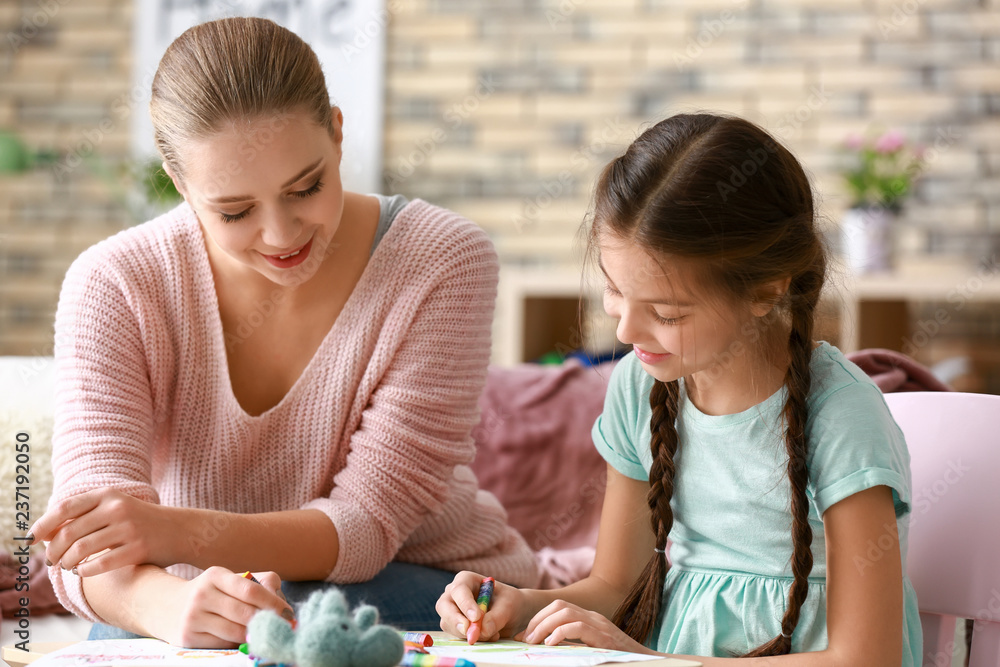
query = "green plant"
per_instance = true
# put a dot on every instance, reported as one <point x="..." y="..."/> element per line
<point x="16" y="157"/>
<point x="157" y="187"/>
<point x="880" y="172"/>
<point x="140" y="186"/>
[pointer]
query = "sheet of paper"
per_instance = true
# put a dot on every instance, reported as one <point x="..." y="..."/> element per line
<point x="139" y="653"/>
<point x="507" y="652"/>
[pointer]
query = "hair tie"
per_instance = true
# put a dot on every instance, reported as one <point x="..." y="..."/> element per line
<point x="659" y="551"/>
<point x="786" y="636"/>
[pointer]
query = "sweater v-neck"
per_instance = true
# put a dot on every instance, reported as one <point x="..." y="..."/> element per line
<point x="217" y="334"/>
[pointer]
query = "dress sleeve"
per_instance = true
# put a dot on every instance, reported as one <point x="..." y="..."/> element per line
<point x="417" y="427"/>
<point x="857" y="446"/>
<point x="619" y="432"/>
<point x="103" y="404"/>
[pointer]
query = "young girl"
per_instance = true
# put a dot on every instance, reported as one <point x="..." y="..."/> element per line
<point x="275" y="376"/>
<point x="769" y="461"/>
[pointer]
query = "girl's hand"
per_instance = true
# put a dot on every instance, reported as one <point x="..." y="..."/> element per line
<point x="457" y="608"/>
<point x="562" y="620"/>
<point x="110" y="528"/>
<point x="213" y="609"/>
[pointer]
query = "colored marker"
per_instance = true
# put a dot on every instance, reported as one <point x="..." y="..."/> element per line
<point x="485" y="594"/>
<point x="421" y="638"/>
<point x="413" y="659"/>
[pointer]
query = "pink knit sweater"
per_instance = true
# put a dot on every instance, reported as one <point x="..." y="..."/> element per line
<point x="375" y="433"/>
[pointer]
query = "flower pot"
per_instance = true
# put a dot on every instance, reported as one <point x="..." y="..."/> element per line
<point x="867" y="239"/>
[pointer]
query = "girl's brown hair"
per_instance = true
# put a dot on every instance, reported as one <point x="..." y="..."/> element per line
<point x="232" y="70"/>
<point x="721" y="191"/>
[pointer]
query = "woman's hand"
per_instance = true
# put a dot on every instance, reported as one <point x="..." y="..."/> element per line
<point x="108" y="529"/>
<point x="213" y="609"/>
<point x="561" y="621"/>
<point x="457" y="608"/>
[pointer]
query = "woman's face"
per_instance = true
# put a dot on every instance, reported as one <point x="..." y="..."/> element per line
<point x="268" y="195"/>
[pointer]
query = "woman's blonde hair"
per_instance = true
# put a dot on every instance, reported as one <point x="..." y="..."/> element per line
<point x="232" y="70"/>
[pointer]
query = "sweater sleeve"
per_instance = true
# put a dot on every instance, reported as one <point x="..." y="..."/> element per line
<point x="417" y="426"/>
<point x="103" y="404"/>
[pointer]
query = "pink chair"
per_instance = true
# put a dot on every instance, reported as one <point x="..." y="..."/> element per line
<point x="954" y="542"/>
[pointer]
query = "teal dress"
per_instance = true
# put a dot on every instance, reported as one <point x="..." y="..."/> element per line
<point x="727" y="588"/>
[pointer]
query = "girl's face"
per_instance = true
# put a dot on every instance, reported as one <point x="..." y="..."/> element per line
<point x="268" y="195"/>
<point x="675" y="327"/>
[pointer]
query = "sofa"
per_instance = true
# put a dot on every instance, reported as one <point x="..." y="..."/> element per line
<point x="534" y="453"/>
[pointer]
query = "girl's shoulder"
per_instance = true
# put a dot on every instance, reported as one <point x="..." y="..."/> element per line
<point x="854" y="443"/>
<point x="835" y="378"/>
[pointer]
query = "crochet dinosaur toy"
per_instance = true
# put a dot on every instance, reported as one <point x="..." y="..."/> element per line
<point x="327" y="635"/>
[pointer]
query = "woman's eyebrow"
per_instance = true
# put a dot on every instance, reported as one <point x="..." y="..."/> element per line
<point x="238" y="198"/>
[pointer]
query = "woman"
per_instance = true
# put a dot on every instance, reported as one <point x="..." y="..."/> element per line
<point x="276" y="376"/>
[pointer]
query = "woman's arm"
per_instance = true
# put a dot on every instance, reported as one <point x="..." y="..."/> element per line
<point x="210" y="611"/>
<point x="103" y="530"/>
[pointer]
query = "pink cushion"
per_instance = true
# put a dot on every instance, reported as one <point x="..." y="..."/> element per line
<point x="535" y="453"/>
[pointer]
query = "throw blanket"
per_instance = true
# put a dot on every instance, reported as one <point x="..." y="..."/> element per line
<point x="894" y="371"/>
<point x="43" y="599"/>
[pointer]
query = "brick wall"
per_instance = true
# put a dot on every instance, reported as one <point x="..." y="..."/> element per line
<point x="505" y="110"/>
<point x="64" y="87"/>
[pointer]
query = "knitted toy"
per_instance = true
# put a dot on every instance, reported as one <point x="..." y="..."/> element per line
<point x="327" y="635"/>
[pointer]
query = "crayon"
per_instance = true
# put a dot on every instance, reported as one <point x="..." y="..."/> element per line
<point x="413" y="646"/>
<point x="412" y="659"/>
<point x="285" y="614"/>
<point x="483" y="600"/>
<point x="421" y="638"/>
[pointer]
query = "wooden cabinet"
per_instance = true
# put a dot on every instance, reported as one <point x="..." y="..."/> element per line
<point x="539" y="311"/>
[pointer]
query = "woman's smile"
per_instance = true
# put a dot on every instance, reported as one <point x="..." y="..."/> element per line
<point x="290" y="259"/>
